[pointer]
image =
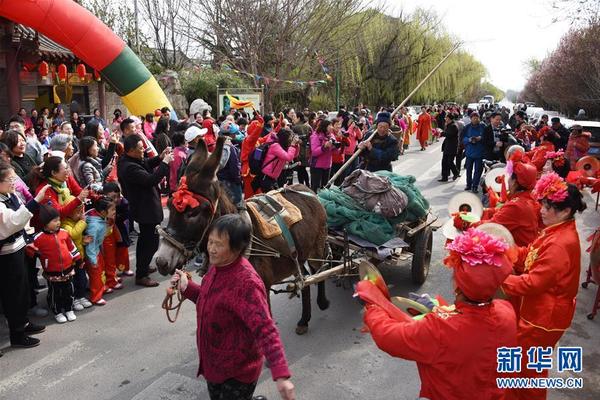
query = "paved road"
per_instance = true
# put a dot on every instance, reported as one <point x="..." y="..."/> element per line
<point x="128" y="350"/>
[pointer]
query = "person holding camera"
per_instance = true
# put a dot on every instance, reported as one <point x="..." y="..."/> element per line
<point x="139" y="179"/>
<point x="341" y="143"/>
<point x="322" y="149"/>
<point x="474" y="150"/>
<point x="283" y="150"/>
<point x="382" y="149"/>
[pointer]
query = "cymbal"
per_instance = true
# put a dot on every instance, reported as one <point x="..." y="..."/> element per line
<point x="409" y="306"/>
<point x="449" y="230"/>
<point x="368" y="271"/>
<point x="589" y="165"/>
<point x="465" y="201"/>
<point x="498" y="231"/>
<point x="493" y="179"/>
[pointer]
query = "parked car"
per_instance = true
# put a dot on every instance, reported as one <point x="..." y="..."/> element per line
<point x="594" y="128"/>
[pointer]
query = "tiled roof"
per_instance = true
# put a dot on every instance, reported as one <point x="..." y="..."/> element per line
<point x="43" y="46"/>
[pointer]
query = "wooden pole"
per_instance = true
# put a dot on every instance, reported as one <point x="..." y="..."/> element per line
<point x="357" y="152"/>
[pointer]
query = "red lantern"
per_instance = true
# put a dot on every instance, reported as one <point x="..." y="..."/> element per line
<point x="97" y="75"/>
<point x="81" y="72"/>
<point x="62" y="72"/>
<point x="43" y="69"/>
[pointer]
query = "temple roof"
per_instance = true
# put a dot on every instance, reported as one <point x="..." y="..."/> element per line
<point x="40" y="45"/>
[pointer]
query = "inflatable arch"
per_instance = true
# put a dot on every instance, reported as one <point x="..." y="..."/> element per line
<point x="75" y="28"/>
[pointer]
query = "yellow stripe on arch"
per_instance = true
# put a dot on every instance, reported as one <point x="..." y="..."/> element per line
<point x="146" y="98"/>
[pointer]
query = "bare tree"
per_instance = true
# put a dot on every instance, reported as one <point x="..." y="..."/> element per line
<point x="276" y="38"/>
<point x="168" y="25"/>
<point x="578" y="12"/>
<point x="115" y="14"/>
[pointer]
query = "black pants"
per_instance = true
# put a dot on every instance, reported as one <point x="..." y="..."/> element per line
<point x="318" y="178"/>
<point x="302" y="175"/>
<point x="32" y="278"/>
<point x="60" y="296"/>
<point x="147" y="245"/>
<point x="334" y="169"/>
<point x="267" y="184"/>
<point x="80" y="283"/>
<point x="14" y="290"/>
<point x="448" y="165"/>
<point x="459" y="158"/>
<point x="231" y="390"/>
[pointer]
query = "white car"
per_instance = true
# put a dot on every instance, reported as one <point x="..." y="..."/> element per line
<point x="594" y="128"/>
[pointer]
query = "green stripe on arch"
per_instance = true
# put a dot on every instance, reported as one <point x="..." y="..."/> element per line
<point x="126" y="73"/>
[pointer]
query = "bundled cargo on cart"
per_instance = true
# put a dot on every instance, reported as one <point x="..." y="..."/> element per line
<point x="382" y="216"/>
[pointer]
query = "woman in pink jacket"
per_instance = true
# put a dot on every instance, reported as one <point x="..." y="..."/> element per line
<point x="280" y="152"/>
<point x="322" y="147"/>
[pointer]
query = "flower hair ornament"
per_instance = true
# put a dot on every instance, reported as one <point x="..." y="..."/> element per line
<point x="476" y="247"/>
<point x="557" y="157"/>
<point x="551" y="187"/>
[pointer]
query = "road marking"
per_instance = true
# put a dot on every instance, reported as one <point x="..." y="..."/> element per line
<point x="36" y="369"/>
<point x="173" y="386"/>
<point x="74" y="371"/>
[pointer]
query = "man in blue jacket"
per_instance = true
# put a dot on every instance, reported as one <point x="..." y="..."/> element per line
<point x="474" y="150"/>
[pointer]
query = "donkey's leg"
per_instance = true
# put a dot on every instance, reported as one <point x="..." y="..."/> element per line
<point x="302" y="327"/>
<point x="322" y="300"/>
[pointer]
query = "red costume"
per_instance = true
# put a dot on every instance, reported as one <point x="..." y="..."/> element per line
<point x="548" y="283"/>
<point x="455" y="349"/>
<point x="210" y="137"/>
<point x="520" y="215"/>
<point x="423" y="128"/>
<point x="253" y="135"/>
<point x="538" y="154"/>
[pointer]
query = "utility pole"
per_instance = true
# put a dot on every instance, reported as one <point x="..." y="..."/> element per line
<point x="137" y="29"/>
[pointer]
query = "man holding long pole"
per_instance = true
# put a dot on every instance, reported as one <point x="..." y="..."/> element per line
<point x="357" y="153"/>
<point x="380" y="151"/>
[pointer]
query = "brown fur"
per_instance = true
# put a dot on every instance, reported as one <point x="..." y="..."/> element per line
<point x="310" y="234"/>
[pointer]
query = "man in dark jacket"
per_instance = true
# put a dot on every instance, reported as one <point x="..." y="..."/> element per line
<point x="562" y="132"/>
<point x="449" y="149"/>
<point x="491" y="138"/>
<point x="139" y="179"/>
<point x="383" y="148"/>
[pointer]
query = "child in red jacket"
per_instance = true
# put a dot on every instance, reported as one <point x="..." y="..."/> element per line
<point x="58" y="255"/>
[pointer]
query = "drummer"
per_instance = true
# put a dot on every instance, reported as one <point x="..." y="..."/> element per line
<point x="547" y="277"/>
<point x="455" y="348"/>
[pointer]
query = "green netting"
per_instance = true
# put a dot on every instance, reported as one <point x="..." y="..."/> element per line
<point x="343" y="211"/>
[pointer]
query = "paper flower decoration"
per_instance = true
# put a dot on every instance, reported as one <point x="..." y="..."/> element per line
<point x="476" y="247"/>
<point x="551" y="187"/>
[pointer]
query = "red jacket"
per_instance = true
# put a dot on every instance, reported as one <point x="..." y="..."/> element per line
<point x="210" y="138"/>
<point x="51" y="199"/>
<point x="234" y="326"/>
<point x="549" y="278"/>
<point x="455" y="352"/>
<point x="249" y="143"/>
<point x="57" y="250"/>
<point x="521" y="216"/>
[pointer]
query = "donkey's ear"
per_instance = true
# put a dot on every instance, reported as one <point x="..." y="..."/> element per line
<point x="209" y="169"/>
<point x="197" y="160"/>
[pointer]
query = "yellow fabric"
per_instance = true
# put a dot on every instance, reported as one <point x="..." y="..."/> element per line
<point x="146" y="98"/>
<point x="268" y="227"/>
<point x="238" y="104"/>
<point x="75" y="230"/>
<point x="61" y="188"/>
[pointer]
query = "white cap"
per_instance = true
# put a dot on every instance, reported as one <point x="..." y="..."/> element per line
<point x="193" y="132"/>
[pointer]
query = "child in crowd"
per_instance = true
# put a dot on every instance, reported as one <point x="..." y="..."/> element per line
<point x="75" y="225"/>
<point x="58" y="255"/>
<point x="116" y="245"/>
<point x="97" y="228"/>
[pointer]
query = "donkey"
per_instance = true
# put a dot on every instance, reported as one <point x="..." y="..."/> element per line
<point x="188" y="229"/>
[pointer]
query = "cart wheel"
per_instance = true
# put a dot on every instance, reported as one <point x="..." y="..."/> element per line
<point x="584" y="285"/>
<point x="422" y="244"/>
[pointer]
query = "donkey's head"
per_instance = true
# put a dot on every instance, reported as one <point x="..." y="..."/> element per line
<point x="191" y="209"/>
